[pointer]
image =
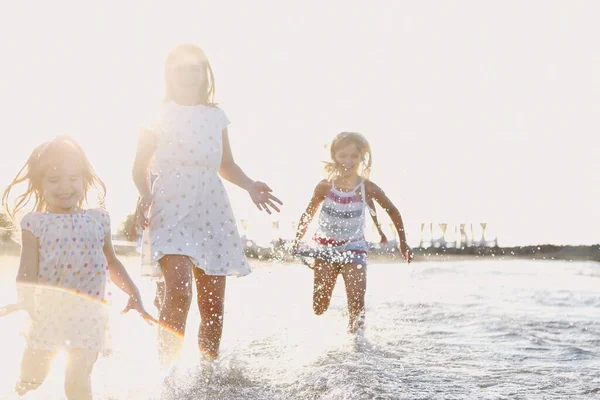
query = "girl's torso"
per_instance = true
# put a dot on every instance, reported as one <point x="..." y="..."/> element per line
<point x="70" y="305"/>
<point x="71" y="250"/>
<point x="342" y="217"/>
<point x="188" y="137"/>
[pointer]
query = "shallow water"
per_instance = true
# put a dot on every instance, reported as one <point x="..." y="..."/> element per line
<point x="435" y="330"/>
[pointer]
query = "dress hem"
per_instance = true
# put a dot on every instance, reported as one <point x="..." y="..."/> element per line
<point x="157" y="274"/>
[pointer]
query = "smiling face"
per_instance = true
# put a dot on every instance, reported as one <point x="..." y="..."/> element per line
<point x="350" y="156"/>
<point x="348" y="159"/>
<point x="59" y="177"/>
<point x="63" y="187"/>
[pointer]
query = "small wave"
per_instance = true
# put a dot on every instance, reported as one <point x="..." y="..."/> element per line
<point x="592" y="391"/>
<point x="536" y="349"/>
<point x="570" y="352"/>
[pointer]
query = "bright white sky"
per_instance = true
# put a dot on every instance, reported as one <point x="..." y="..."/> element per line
<point x="476" y="110"/>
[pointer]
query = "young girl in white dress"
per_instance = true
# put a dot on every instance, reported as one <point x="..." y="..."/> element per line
<point x="192" y="233"/>
<point x="67" y="258"/>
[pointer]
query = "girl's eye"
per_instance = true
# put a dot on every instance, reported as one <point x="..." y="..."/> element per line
<point x="52" y="180"/>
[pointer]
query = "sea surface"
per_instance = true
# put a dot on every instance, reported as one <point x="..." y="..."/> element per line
<point x="471" y="329"/>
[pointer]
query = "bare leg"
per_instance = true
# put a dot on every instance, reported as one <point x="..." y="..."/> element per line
<point x="211" y="303"/>
<point x="159" y="298"/>
<point x="176" y="270"/>
<point x="325" y="278"/>
<point x="35" y="366"/>
<point x="78" y="374"/>
<point x="355" y="278"/>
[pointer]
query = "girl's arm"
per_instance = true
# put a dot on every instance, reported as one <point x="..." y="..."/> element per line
<point x="27" y="275"/>
<point x="375" y="220"/>
<point x="141" y="174"/>
<point x="120" y="277"/>
<point x="259" y="191"/>
<point x="141" y="166"/>
<point x="375" y="192"/>
<point x="318" y="196"/>
<point x="229" y="170"/>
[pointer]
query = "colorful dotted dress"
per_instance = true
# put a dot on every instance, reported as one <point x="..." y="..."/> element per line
<point x="71" y="307"/>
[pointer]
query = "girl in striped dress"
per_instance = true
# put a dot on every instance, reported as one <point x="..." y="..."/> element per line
<point x="340" y="245"/>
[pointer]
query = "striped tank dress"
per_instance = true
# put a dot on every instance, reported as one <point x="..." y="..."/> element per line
<point x="340" y="235"/>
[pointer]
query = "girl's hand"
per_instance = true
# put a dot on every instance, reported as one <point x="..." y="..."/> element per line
<point x="260" y="193"/>
<point x="135" y="303"/>
<point x="11" y="308"/>
<point x="406" y="251"/>
<point x="141" y="211"/>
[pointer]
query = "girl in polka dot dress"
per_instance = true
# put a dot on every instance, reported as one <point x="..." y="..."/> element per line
<point x="67" y="258"/>
<point x="192" y="233"/>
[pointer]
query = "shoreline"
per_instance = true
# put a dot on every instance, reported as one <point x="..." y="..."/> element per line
<point x="531" y="252"/>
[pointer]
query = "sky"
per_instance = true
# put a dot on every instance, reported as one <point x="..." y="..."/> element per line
<point x="476" y="111"/>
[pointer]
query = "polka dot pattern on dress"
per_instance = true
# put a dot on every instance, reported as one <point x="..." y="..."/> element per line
<point x="71" y="309"/>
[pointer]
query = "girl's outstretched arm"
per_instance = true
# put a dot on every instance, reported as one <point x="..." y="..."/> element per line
<point x="141" y="174"/>
<point x="26" y="276"/>
<point x="376" y="193"/>
<point x="11" y="308"/>
<point x="259" y="192"/>
<point x="318" y="196"/>
<point x="120" y="277"/>
<point x="141" y="166"/>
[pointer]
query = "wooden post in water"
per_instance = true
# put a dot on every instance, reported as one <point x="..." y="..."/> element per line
<point x="483" y="241"/>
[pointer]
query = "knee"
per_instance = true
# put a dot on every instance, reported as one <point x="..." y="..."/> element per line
<point x="78" y="374"/>
<point x="211" y="313"/>
<point x="213" y="319"/>
<point x="23" y="387"/>
<point x="78" y="386"/>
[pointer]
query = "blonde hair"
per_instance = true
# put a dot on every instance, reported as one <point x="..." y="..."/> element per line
<point x="343" y="139"/>
<point x="207" y="95"/>
<point x="42" y="158"/>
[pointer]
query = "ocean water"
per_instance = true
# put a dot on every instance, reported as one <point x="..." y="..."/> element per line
<point x="472" y="329"/>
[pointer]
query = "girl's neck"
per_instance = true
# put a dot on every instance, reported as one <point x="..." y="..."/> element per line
<point x="348" y="182"/>
<point x="187" y="98"/>
<point x="60" y="210"/>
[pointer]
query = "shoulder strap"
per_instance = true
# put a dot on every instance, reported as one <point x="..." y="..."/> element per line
<point x="363" y="193"/>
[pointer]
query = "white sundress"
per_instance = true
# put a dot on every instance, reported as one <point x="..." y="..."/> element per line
<point x="191" y="214"/>
<point x="71" y="309"/>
